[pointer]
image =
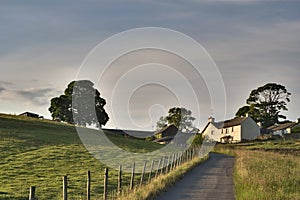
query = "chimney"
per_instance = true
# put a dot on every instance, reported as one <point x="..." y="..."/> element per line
<point x="211" y="119"/>
<point x="247" y="114"/>
<point x="259" y="124"/>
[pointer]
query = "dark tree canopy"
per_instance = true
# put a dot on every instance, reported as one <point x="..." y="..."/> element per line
<point x="265" y="104"/>
<point x="181" y="118"/>
<point x="80" y="104"/>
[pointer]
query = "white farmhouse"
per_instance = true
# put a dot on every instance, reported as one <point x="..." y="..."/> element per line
<point x="234" y="130"/>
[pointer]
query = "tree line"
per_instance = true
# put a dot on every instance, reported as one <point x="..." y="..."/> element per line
<point x="264" y="105"/>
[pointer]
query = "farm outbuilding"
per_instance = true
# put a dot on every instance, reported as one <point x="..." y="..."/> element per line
<point x="30" y="114"/>
<point x="283" y="128"/>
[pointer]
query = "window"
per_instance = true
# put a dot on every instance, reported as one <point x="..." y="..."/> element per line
<point x="212" y="132"/>
<point x="226" y="130"/>
<point x="232" y="129"/>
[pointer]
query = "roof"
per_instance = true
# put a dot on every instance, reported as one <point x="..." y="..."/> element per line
<point x="228" y="123"/>
<point x="165" y="128"/>
<point x="234" y="122"/>
<point x="278" y="127"/>
<point x="30" y="114"/>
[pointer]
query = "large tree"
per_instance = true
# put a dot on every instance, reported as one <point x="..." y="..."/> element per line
<point x="80" y="104"/>
<point x="181" y="118"/>
<point x="265" y="104"/>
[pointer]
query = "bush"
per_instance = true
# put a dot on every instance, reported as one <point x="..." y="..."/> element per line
<point x="296" y="130"/>
<point x="198" y="140"/>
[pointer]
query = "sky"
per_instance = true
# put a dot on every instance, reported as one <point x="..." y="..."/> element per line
<point x="45" y="43"/>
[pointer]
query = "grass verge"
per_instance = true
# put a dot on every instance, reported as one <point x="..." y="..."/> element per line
<point x="266" y="175"/>
<point x="262" y="174"/>
<point x="156" y="186"/>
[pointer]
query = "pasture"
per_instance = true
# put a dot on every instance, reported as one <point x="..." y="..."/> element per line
<point x="39" y="153"/>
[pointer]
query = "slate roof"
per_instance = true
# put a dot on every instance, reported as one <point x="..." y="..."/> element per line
<point x="234" y="122"/>
<point x="29" y="114"/>
<point x="166" y="128"/>
<point x="278" y="127"/>
<point x="228" y="123"/>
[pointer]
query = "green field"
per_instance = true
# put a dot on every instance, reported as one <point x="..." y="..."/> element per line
<point x="40" y="152"/>
<point x="265" y="170"/>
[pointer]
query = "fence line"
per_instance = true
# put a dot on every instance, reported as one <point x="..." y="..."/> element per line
<point x="165" y="165"/>
<point x="88" y="186"/>
<point x="32" y="193"/>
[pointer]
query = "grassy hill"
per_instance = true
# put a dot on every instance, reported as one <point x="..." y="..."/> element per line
<point x="38" y="153"/>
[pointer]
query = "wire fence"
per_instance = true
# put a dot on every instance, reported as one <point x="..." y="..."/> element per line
<point x="115" y="183"/>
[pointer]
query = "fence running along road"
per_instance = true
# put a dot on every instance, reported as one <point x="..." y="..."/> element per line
<point x="158" y="167"/>
<point x="212" y="180"/>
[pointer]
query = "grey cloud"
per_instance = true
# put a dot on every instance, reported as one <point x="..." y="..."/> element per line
<point x="37" y="96"/>
<point x="5" y="83"/>
<point x="2" y="89"/>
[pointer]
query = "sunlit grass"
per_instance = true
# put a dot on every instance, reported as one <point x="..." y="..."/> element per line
<point x="39" y="153"/>
<point x="266" y="175"/>
<point x="260" y="174"/>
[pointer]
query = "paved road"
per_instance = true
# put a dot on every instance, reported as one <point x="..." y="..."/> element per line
<point x="211" y="180"/>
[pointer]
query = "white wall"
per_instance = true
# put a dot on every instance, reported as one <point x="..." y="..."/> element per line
<point x="234" y="131"/>
<point x="250" y="129"/>
<point x="212" y="132"/>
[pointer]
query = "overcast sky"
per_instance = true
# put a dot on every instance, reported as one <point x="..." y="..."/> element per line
<point x="43" y="44"/>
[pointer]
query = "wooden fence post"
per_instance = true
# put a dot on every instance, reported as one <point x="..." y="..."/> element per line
<point x="32" y="193"/>
<point x="181" y="158"/>
<point x="88" y="186"/>
<point x="143" y="173"/>
<point x="168" y="163"/>
<point x="105" y="184"/>
<point x="120" y="180"/>
<point x="172" y="163"/>
<point x="65" y="188"/>
<point x="150" y="173"/>
<point x="163" y="165"/>
<point x="194" y="152"/>
<point x="157" y="169"/>
<point x="175" y="159"/>
<point x="132" y="177"/>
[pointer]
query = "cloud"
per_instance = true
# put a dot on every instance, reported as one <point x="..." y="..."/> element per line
<point x="252" y="41"/>
<point x="33" y="96"/>
<point x="37" y="96"/>
<point x="5" y="83"/>
<point x="2" y="89"/>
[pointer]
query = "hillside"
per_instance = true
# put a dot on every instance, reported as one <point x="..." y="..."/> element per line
<point x="38" y="153"/>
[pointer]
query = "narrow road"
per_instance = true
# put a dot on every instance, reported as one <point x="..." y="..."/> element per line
<point x="211" y="180"/>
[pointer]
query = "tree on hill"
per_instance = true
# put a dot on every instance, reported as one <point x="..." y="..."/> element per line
<point x="181" y="118"/>
<point x="74" y="106"/>
<point x="265" y="104"/>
